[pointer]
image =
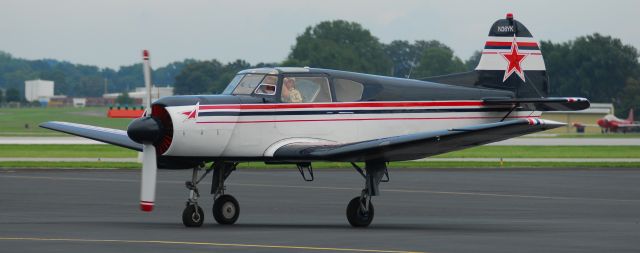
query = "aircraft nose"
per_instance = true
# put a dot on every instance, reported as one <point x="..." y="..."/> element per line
<point x="145" y="130"/>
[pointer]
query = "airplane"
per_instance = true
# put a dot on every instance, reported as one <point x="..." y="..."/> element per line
<point x="302" y="115"/>
<point x="611" y="123"/>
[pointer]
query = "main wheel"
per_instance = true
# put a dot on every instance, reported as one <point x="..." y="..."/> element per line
<point x="358" y="217"/>
<point x="226" y="210"/>
<point x="192" y="216"/>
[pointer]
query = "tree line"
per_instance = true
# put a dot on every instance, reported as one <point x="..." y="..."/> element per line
<point x="595" y="66"/>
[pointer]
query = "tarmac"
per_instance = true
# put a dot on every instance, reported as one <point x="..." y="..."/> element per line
<point x="452" y="210"/>
<point x="457" y="159"/>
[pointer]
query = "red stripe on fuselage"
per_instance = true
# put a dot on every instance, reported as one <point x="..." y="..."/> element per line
<point x="356" y="119"/>
<point x="343" y="105"/>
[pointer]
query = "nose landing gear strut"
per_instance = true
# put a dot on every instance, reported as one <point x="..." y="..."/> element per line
<point x="226" y="209"/>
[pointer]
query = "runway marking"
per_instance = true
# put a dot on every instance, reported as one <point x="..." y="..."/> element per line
<point x="237" y="245"/>
<point x="333" y="188"/>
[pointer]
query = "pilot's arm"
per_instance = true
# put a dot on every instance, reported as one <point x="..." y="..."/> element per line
<point x="295" y="96"/>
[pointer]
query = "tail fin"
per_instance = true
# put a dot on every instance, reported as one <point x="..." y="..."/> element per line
<point x="511" y="60"/>
<point x="630" y="118"/>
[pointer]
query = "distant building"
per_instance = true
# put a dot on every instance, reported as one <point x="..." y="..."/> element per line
<point x="38" y="90"/>
<point x="586" y="117"/>
<point x="140" y="94"/>
<point x="60" y="101"/>
<point x="79" y="102"/>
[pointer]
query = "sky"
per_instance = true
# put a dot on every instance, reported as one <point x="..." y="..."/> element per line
<point x="111" y="33"/>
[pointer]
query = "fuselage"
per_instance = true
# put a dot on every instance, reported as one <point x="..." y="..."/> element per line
<point x="246" y="126"/>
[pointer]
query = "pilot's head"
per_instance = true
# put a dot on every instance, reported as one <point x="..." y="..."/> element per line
<point x="290" y="82"/>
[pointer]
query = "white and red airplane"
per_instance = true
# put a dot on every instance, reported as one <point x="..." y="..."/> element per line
<point x="304" y="115"/>
<point x="611" y="123"/>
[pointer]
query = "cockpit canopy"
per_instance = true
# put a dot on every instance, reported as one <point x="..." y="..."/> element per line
<point x="294" y="85"/>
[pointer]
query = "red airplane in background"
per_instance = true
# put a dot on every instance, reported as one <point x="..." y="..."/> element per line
<point x="611" y="123"/>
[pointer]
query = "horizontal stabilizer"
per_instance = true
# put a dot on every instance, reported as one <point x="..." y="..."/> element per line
<point x="106" y="135"/>
<point x="543" y="104"/>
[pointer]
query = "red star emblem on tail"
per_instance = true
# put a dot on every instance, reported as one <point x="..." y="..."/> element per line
<point x="514" y="60"/>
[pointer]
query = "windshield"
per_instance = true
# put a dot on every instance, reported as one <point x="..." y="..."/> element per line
<point x="248" y="84"/>
<point x="232" y="85"/>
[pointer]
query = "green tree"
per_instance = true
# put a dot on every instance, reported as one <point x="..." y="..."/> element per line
<point x="339" y="45"/>
<point x="630" y="98"/>
<point x="228" y="72"/>
<point x="403" y="57"/>
<point x="473" y="61"/>
<point x="2" y="97"/>
<point x="406" y="57"/>
<point x="124" y="99"/>
<point x="437" y="61"/>
<point x="594" y="66"/>
<point x="13" y="95"/>
<point x="199" y="78"/>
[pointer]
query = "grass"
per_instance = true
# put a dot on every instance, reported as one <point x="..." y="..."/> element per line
<point x="333" y="165"/>
<point x="77" y="165"/>
<point x="546" y="152"/>
<point x="65" y="151"/>
<point x="108" y="151"/>
<point x="14" y="120"/>
<point x="589" y="135"/>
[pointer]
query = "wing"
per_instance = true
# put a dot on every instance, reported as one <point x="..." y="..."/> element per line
<point x="413" y="146"/>
<point x="106" y="135"/>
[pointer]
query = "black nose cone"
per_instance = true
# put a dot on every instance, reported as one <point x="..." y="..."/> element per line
<point x="145" y="130"/>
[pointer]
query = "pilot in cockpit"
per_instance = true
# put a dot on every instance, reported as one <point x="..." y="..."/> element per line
<point x="289" y="92"/>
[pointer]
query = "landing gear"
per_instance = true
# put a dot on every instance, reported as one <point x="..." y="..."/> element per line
<point x="360" y="210"/>
<point x="357" y="215"/>
<point x="225" y="208"/>
<point x="192" y="216"/>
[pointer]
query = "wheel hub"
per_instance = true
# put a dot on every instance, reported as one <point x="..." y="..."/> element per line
<point x="228" y="210"/>
<point x="195" y="216"/>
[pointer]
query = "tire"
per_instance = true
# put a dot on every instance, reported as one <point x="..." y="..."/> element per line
<point x="226" y="210"/>
<point x="356" y="217"/>
<point x="191" y="218"/>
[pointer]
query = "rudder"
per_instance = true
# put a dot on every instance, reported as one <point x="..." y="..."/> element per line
<point x="511" y="60"/>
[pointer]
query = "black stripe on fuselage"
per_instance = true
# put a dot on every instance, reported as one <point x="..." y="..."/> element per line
<point x="346" y="112"/>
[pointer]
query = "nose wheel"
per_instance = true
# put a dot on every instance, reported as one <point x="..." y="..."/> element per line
<point x="192" y="216"/>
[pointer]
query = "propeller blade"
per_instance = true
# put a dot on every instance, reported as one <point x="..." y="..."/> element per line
<point x="148" y="184"/>
<point x="149" y="162"/>
<point x="147" y="78"/>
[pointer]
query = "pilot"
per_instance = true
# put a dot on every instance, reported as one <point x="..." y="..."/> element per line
<point x="289" y="92"/>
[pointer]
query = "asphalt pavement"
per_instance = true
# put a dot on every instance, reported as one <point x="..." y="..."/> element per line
<point x="473" y="210"/>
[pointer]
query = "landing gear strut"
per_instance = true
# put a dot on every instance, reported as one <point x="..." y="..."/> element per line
<point x="225" y="208"/>
<point x="360" y="210"/>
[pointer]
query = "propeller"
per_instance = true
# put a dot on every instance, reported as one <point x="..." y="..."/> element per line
<point x="147" y="130"/>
